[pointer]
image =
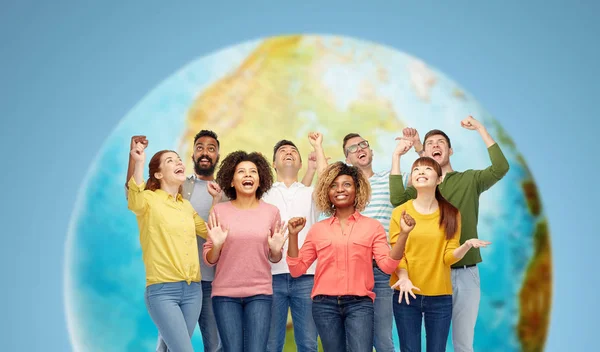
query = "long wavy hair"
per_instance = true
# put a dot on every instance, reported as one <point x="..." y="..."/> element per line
<point x="449" y="215"/>
<point x="326" y="178"/>
<point x="153" y="167"/>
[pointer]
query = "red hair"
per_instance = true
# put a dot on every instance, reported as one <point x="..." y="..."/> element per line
<point x="153" y="167"/>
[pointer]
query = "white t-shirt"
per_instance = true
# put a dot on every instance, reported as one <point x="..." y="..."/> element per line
<point x="295" y="201"/>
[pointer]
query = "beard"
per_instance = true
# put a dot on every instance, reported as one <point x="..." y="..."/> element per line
<point x="205" y="170"/>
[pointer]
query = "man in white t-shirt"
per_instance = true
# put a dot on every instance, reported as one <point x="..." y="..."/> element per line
<point x="293" y="199"/>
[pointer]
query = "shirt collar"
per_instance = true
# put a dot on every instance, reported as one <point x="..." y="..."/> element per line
<point x="280" y="184"/>
<point x="354" y="216"/>
<point x="164" y="195"/>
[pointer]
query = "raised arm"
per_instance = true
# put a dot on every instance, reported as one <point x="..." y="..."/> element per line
<point x="136" y="200"/>
<point x="134" y="141"/>
<point x="299" y="260"/>
<point x="310" y="170"/>
<point x="316" y="141"/>
<point x="487" y="177"/>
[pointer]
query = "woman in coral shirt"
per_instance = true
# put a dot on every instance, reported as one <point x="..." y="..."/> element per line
<point x="344" y="246"/>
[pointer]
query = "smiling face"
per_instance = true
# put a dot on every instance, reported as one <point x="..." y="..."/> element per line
<point x="358" y="152"/>
<point x="206" y="156"/>
<point x="342" y="192"/>
<point x="426" y="173"/>
<point x="171" y="169"/>
<point x="287" y="157"/>
<point x="437" y="147"/>
<point x="245" y="178"/>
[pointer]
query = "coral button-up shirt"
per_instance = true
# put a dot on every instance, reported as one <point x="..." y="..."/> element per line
<point x="345" y="258"/>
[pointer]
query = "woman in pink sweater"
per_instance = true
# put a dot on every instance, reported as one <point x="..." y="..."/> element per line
<point x="244" y="235"/>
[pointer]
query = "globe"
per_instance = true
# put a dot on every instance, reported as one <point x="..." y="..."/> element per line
<point x="258" y="92"/>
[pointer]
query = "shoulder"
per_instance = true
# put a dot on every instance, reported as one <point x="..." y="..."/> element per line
<point x="398" y="210"/>
<point x="269" y="207"/>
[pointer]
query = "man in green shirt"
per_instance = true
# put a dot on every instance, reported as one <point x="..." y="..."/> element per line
<point x="462" y="189"/>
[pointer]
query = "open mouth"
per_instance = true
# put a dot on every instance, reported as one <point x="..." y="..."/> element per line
<point x="341" y="196"/>
<point x="362" y="155"/>
<point x="422" y="179"/>
<point x="204" y="161"/>
<point x="179" y="171"/>
<point x="247" y="183"/>
<point x="288" y="158"/>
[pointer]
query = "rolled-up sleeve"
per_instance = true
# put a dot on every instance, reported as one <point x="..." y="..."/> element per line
<point x="381" y="252"/>
<point x="306" y="256"/>
<point x="136" y="197"/>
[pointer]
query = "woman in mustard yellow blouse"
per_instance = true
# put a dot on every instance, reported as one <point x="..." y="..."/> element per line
<point x="168" y="228"/>
<point x="433" y="245"/>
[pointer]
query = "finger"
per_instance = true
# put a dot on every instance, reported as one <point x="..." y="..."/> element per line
<point x="412" y="294"/>
<point x="406" y="297"/>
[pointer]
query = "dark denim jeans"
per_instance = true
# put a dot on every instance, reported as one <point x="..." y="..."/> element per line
<point x="207" y="322"/>
<point x="437" y="313"/>
<point x="345" y="323"/>
<point x="382" y="338"/>
<point x="243" y="322"/>
<point x="292" y="293"/>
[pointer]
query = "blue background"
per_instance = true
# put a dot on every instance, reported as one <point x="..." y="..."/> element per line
<point x="70" y="70"/>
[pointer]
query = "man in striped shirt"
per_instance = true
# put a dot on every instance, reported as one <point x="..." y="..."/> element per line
<point x="359" y="154"/>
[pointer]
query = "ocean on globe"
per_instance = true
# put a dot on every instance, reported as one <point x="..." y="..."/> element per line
<point x="256" y="93"/>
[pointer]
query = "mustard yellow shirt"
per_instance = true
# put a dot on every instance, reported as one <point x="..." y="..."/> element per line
<point x="428" y="254"/>
<point x="168" y="229"/>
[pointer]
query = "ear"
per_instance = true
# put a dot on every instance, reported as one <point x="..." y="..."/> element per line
<point x="158" y="175"/>
<point x="273" y="164"/>
<point x="450" y="152"/>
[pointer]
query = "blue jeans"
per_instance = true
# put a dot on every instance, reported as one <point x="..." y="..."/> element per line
<point x="243" y="322"/>
<point x="382" y="338"/>
<point x="466" y="295"/>
<point x="292" y="293"/>
<point x="207" y="322"/>
<point x="208" y="325"/>
<point x="345" y="323"/>
<point x="437" y="313"/>
<point x="175" y="307"/>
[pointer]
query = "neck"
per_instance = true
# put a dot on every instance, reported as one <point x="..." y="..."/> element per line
<point x="171" y="189"/>
<point x="210" y="177"/>
<point x="344" y="213"/>
<point x="426" y="201"/>
<point x="367" y="170"/>
<point x="245" y="201"/>
<point x="287" y="178"/>
<point x="446" y="168"/>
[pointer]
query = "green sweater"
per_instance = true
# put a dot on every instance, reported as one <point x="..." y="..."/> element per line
<point x="462" y="189"/>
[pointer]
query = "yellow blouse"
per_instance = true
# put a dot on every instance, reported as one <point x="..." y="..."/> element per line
<point x="168" y="229"/>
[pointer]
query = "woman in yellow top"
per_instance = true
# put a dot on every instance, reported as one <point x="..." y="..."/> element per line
<point x="168" y="228"/>
<point x="433" y="245"/>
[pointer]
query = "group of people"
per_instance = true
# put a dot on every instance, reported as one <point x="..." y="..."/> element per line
<point x="233" y="253"/>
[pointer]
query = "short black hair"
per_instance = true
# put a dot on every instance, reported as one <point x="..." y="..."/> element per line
<point x="433" y="133"/>
<point x="280" y="144"/>
<point x="227" y="170"/>
<point x="348" y="136"/>
<point x="207" y="133"/>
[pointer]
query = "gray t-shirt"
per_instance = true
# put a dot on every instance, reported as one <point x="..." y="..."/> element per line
<point x="201" y="201"/>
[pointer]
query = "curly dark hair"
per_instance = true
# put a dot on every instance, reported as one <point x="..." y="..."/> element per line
<point x="361" y="184"/>
<point x="207" y="133"/>
<point x="227" y="170"/>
